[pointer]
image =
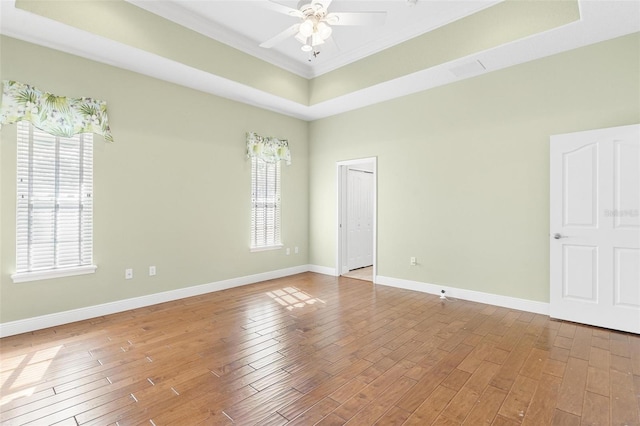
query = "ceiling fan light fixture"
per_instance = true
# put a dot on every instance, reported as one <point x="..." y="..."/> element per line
<point x="306" y="28"/>
<point x="316" y="39"/>
<point x="306" y="48"/>
<point x="301" y="38"/>
<point x="324" y="30"/>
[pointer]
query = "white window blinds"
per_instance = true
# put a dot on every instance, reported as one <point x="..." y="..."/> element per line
<point x="55" y="201"/>
<point x="265" y="204"/>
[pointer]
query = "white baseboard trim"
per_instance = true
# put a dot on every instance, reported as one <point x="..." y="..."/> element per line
<point x="323" y="270"/>
<point x="66" y="317"/>
<point x="473" y="296"/>
<point x="59" y="318"/>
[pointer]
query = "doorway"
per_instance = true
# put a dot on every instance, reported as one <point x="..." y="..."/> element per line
<point x="356" y="230"/>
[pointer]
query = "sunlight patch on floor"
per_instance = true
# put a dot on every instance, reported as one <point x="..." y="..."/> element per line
<point x="291" y="298"/>
<point x="26" y="372"/>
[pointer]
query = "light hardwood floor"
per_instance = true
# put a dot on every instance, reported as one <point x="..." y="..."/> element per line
<point x="312" y="349"/>
<point x="365" y="274"/>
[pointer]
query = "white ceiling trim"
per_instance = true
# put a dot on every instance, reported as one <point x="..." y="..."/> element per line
<point x="600" y="20"/>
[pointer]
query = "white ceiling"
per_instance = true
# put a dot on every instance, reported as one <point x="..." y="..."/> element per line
<point x="599" y="20"/>
<point x="244" y="24"/>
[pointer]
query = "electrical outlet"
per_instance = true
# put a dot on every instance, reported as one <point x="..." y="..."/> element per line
<point x="288" y="251"/>
<point x="152" y="271"/>
<point x="128" y="274"/>
<point x="412" y="261"/>
<point x="296" y="250"/>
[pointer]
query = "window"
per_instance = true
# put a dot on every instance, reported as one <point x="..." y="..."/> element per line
<point x="265" y="204"/>
<point x="54" y="232"/>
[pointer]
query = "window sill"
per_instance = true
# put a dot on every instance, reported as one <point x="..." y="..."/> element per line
<point x="53" y="273"/>
<point x="265" y="248"/>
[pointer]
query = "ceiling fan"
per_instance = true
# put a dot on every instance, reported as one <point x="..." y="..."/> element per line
<point x="316" y="22"/>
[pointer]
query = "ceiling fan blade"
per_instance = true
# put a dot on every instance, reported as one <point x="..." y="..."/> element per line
<point x="281" y="8"/>
<point x="356" y="18"/>
<point x="281" y="37"/>
<point x="324" y="3"/>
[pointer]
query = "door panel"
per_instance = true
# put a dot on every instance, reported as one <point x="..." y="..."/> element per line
<point x="627" y="277"/>
<point x="580" y="278"/>
<point x="581" y="175"/>
<point x="359" y="219"/>
<point x="595" y="227"/>
<point x="627" y="185"/>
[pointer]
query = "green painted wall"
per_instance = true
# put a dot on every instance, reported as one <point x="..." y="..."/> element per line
<point x="463" y="169"/>
<point x="171" y="191"/>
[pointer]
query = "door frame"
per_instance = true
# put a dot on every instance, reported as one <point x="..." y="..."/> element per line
<point x="341" y="211"/>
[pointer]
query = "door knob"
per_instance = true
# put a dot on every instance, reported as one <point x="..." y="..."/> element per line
<point x="558" y="236"/>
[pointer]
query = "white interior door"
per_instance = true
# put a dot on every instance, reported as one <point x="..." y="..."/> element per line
<point x="595" y="227"/>
<point x="359" y="218"/>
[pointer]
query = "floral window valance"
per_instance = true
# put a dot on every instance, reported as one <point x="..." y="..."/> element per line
<point x="56" y="115"/>
<point x="268" y="149"/>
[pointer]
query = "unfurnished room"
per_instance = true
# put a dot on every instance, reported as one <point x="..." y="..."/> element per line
<point x="317" y="212"/>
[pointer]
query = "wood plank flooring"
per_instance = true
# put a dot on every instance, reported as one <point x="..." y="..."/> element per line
<point x="365" y="274"/>
<point x="313" y="349"/>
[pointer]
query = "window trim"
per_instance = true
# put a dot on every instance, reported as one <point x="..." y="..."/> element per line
<point x="267" y="248"/>
<point x="53" y="273"/>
